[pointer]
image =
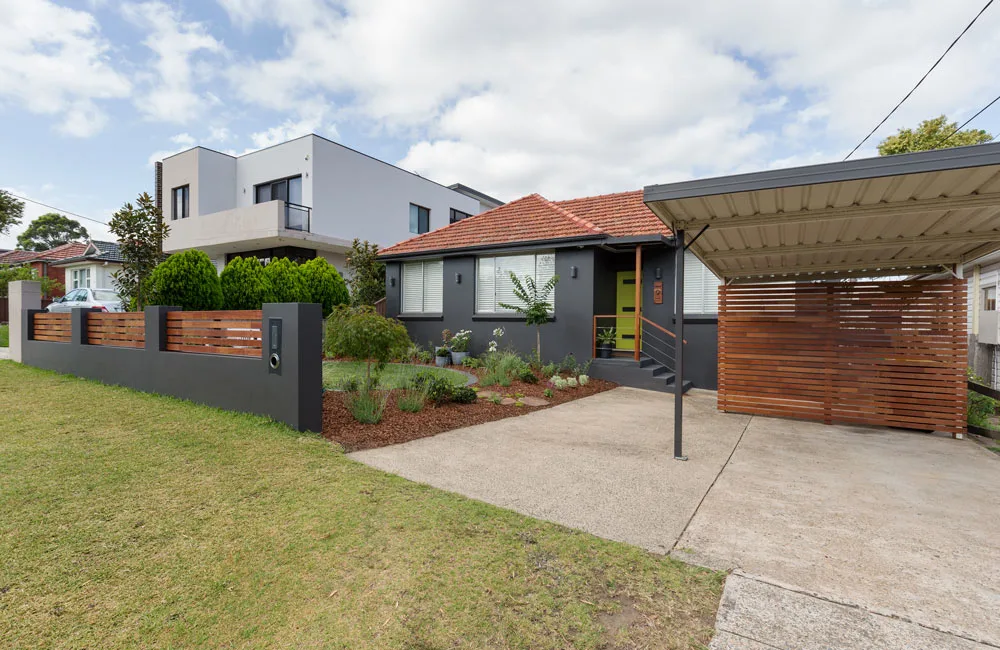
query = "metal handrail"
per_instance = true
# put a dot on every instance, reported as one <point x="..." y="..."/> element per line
<point x="289" y="207"/>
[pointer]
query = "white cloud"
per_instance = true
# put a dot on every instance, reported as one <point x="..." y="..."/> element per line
<point x="311" y="119"/>
<point x="175" y="42"/>
<point x="54" y="61"/>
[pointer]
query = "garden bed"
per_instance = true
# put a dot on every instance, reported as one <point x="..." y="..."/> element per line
<point x="398" y="426"/>
<point x="394" y="375"/>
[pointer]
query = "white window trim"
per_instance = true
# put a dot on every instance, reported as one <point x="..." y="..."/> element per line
<point x="81" y="274"/>
<point x="705" y="298"/>
<point x="497" y="309"/>
<point x="429" y="304"/>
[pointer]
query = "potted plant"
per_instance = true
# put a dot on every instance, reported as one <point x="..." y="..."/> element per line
<point x="606" y="342"/>
<point x="441" y="357"/>
<point x="460" y="346"/>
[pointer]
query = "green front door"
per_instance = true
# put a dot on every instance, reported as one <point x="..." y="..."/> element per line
<point x="626" y="307"/>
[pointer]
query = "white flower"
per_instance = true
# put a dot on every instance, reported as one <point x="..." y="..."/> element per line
<point x="498" y="332"/>
<point x="493" y="346"/>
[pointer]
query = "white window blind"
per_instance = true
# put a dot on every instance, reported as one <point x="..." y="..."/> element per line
<point x="701" y="287"/>
<point x="494" y="286"/>
<point x="423" y="287"/>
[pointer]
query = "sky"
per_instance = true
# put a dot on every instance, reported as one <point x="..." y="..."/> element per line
<point x="566" y="98"/>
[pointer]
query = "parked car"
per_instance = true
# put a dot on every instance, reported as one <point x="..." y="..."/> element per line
<point x="103" y="299"/>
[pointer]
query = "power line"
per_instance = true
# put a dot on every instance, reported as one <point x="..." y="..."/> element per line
<point x="978" y="113"/>
<point x="52" y="207"/>
<point x="931" y="69"/>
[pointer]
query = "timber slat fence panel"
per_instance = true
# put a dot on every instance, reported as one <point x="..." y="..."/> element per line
<point x="890" y="353"/>
<point x="215" y="332"/>
<point x="120" y="330"/>
<point x="53" y="327"/>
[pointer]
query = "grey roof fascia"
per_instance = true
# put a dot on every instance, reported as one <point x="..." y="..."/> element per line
<point x="562" y="242"/>
<point x="465" y="189"/>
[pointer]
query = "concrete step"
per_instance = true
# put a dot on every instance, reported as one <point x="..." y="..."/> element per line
<point x="629" y="372"/>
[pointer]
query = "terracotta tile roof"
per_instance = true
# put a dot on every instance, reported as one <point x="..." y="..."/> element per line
<point x="535" y="218"/>
<point x="530" y="218"/>
<point x="17" y="257"/>
<point x="61" y="252"/>
<point x="620" y="215"/>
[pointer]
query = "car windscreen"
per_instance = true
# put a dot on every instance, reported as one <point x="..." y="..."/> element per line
<point x="106" y="296"/>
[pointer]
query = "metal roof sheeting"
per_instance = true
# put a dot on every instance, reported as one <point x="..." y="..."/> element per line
<point x="879" y="216"/>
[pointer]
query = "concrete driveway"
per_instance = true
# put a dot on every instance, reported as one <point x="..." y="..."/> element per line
<point x="840" y="537"/>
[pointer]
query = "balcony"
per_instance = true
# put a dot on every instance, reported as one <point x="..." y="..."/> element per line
<point x="297" y="217"/>
<point x="262" y="223"/>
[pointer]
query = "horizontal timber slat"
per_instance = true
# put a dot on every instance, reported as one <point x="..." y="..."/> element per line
<point x="215" y="332"/>
<point x="889" y="353"/>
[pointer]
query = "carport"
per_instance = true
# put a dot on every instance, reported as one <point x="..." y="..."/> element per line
<point x="816" y="318"/>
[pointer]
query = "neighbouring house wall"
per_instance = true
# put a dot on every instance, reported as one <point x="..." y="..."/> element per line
<point x="569" y="332"/>
<point x="178" y="170"/>
<point x="100" y="274"/>
<point x="983" y="325"/>
<point x="216" y="182"/>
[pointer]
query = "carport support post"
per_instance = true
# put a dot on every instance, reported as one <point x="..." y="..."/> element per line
<point x="679" y="346"/>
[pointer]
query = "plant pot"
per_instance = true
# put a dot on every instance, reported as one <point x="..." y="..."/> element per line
<point x="603" y="351"/>
<point x="458" y="357"/>
<point x="441" y="362"/>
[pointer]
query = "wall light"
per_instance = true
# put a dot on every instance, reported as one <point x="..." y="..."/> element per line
<point x="458" y="278"/>
<point x="658" y="273"/>
<point x="572" y="271"/>
<point x="392" y="282"/>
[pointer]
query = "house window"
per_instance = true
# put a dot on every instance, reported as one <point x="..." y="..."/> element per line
<point x="420" y="219"/>
<point x="423" y="287"/>
<point x="180" y="200"/>
<point x="701" y="287"/>
<point x="80" y="278"/>
<point x="494" y="286"/>
<point x="288" y="190"/>
<point x="457" y="215"/>
<point x="990" y="298"/>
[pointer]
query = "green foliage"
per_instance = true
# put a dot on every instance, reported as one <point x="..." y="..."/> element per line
<point x="324" y="285"/>
<point x="187" y="280"/>
<point x="460" y="341"/>
<point x="550" y="369"/>
<point x="11" y="211"/>
<point x="436" y="389"/>
<point x="472" y="362"/>
<point x="464" y="395"/>
<point x="140" y="231"/>
<point x="979" y="407"/>
<point x="442" y="352"/>
<point x="534" y="303"/>
<point x="411" y="401"/>
<point x="584" y="380"/>
<point x="287" y="284"/>
<point x="364" y="335"/>
<point x="13" y="273"/>
<point x="527" y="375"/>
<point x="936" y="133"/>
<point x="502" y="368"/>
<point x="548" y="393"/>
<point x="244" y="284"/>
<point x="368" y="407"/>
<point x="607" y="336"/>
<point x="570" y="366"/>
<point x="366" y="274"/>
<point x="50" y="230"/>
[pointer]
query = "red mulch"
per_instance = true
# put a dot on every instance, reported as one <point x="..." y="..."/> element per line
<point x="398" y="426"/>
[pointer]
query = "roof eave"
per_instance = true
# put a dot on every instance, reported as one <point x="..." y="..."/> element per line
<point x="560" y="242"/>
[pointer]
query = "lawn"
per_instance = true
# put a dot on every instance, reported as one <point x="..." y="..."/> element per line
<point x="395" y="375"/>
<point x="4" y="336"/>
<point x="144" y="521"/>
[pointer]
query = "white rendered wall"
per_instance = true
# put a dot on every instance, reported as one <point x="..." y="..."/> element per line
<point x="178" y="170"/>
<point x="216" y="183"/>
<point x="291" y="158"/>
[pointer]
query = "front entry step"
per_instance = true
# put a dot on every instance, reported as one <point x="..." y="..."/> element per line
<point x="646" y="373"/>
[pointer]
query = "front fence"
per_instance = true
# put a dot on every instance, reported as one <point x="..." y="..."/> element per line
<point x="52" y="327"/>
<point x="887" y="353"/>
<point x="215" y="332"/>
<point x="121" y="330"/>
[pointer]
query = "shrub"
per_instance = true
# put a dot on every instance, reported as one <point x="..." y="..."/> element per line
<point x="443" y="352"/>
<point x="496" y="399"/>
<point x="472" y="362"/>
<point x="464" y="395"/>
<point x="583" y="379"/>
<point x="559" y="382"/>
<point x="572" y="382"/>
<point x="244" y="284"/>
<point x="979" y="407"/>
<point x="323" y="284"/>
<point x="187" y="280"/>
<point x="425" y="356"/>
<point x="548" y="392"/>
<point x="569" y="365"/>
<point x="366" y="273"/>
<point x="368" y="407"/>
<point x="364" y="335"/>
<point x="440" y="390"/>
<point x="528" y="376"/>
<point x="287" y="284"/>
<point x="411" y="401"/>
<point x="549" y="369"/>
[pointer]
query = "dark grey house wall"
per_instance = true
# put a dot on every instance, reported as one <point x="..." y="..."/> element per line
<point x="294" y="395"/>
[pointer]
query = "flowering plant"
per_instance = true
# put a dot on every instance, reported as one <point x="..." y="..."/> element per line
<point x="460" y="342"/>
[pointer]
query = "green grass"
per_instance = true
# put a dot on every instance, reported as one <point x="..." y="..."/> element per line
<point x="4" y="336"/>
<point x="395" y="375"/>
<point x="144" y="521"/>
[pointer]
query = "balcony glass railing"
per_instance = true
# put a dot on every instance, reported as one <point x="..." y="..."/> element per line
<point x="297" y="217"/>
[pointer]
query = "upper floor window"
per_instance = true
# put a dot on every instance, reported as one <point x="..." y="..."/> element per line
<point x="457" y="215"/>
<point x="180" y="201"/>
<point x="420" y="219"/>
<point x="288" y="190"/>
<point x="423" y="287"/>
<point x="494" y="287"/>
<point x="701" y="287"/>
<point x="990" y="298"/>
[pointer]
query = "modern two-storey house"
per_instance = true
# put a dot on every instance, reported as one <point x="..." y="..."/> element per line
<point x="301" y="199"/>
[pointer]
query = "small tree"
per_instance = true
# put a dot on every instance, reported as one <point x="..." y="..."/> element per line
<point x="14" y="273"/>
<point x="11" y="211"/>
<point x="187" y="280"/>
<point x="937" y="133"/>
<point x="50" y="230"/>
<point x="365" y="274"/>
<point x="535" y="305"/>
<point x="244" y="284"/>
<point x="286" y="281"/>
<point x="362" y="334"/>
<point x="324" y="284"/>
<point x="140" y="231"/>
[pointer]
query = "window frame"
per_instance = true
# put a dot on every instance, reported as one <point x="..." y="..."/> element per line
<point x="989" y="303"/>
<point x="186" y="202"/>
<point x="426" y="225"/>
<point x="76" y="275"/>
<point x="423" y="288"/>
<point x="497" y="310"/>
<point x="270" y="184"/>
<point x="453" y="212"/>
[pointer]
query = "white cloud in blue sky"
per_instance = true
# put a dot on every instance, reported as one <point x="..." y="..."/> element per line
<point x="563" y="97"/>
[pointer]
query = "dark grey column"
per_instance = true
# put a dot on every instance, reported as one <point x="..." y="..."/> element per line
<point x="679" y="347"/>
<point x="300" y="351"/>
<point x="78" y="325"/>
<point x="156" y="327"/>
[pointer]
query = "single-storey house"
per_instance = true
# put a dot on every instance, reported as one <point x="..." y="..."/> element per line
<point x="615" y="261"/>
<point x="45" y="263"/>
<point x="92" y="267"/>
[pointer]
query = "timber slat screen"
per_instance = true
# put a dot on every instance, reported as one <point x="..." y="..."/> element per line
<point x="120" y="330"/>
<point x="215" y="332"/>
<point x="52" y="327"/>
<point x="890" y="353"/>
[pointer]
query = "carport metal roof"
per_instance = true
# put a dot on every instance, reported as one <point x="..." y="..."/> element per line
<point x="893" y="215"/>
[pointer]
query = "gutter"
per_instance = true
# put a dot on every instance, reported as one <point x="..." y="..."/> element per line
<point x="561" y="242"/>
